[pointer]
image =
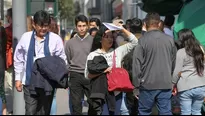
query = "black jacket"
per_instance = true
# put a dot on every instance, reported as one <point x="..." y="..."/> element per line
<point x="2" y="50"/>
<point x="97" y="65"/>
<point x="49" y="73"/>
<point x="99" y="86"/>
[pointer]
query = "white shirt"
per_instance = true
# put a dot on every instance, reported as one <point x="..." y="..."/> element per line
<point x="168" y="32"/>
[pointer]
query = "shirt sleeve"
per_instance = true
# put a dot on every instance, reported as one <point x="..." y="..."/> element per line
<point x="137" y="68"/>
<point x="125" y="49"/>
<point x="119" y="40"/>
<point x="19" y="58"/>
<point x="68" y="53"/>
<point x="90" y="57"/>
<point x="59" y="49"/>
<point x="174" y="52"/>
<point x="178" y="66"/>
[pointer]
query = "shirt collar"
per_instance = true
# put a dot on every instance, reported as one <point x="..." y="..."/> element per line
<point x="83" y="37"/>
<point x="42" y="39"/>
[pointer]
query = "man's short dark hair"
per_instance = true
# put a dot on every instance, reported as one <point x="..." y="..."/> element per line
<point x="152" y="19"/>
<point x="128" y="22"/>
<point x="92" y="30"/>
<point x="9" y="12"/>
<point x="169" y="20"/>
<point x="96" y="20"/>
<point x="41" y="17"/>
<point x="81" y="18"/>
<point x="136" y="26"/>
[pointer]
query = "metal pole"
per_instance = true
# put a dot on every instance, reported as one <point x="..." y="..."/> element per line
<point x="134" y="9"/>
<point x="125" y="10"/>
<point x="2" y="9"/>
<point x="85" y="8"/>
<point x="19" y="27"/>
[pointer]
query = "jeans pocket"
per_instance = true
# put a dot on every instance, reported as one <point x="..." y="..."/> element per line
<point x="182" y="93"/>
<point x="200" y="92"/>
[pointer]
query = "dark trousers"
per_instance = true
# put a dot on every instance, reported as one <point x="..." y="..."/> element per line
<point x="132" y="103"/>
<point x="80" y="86"/>
<point x="118" y="103"/>
<point x="39" y="104"/>
<point x="148" y="98"/>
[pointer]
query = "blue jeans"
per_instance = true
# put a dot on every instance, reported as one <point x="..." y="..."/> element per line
<point x="117" y="106"/>
<point x="1" y="106"/>
<point x="162" y="98"/>
<point x="54" y="105"/>
<point x="191" y="101"/>
<point x="124" y="110"/>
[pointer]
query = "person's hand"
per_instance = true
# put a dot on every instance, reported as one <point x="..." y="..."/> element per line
<point x="18" y="86"/>
<point x="179" y="74"/>
<point x="137" y="97"/>
<point x="108" y="70"/>
<point x="174" y="90"/>
<point x="119" y="25"/>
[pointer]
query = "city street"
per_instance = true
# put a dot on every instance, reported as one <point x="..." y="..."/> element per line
<point x="159" y="46"/>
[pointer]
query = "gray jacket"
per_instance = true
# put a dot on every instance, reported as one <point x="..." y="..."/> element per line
<point x="153" y="62"/>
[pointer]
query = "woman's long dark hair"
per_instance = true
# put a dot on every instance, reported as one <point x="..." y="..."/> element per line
<point x="98" y="38"/>
<point x="193" y="49"/>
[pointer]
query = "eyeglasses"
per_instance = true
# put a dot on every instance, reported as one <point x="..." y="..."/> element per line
<point x="42" y="26"/>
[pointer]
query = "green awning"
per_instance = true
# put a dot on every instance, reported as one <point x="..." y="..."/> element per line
<point x="192" y="17"/>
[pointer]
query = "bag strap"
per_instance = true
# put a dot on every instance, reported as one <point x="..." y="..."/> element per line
<point x="114" y="60"/>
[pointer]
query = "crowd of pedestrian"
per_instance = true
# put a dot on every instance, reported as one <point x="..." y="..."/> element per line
<point x="158" y="68"/>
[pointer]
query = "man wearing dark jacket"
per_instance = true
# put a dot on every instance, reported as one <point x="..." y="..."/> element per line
<point x="153" y="64"/>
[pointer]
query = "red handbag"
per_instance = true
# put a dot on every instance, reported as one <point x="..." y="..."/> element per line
<point x="118" y="79"/>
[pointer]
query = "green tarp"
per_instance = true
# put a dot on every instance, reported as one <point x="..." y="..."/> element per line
<point x="192" y="16"/>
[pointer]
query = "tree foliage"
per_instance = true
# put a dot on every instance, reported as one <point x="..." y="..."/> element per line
<point x="66" y="9"/>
